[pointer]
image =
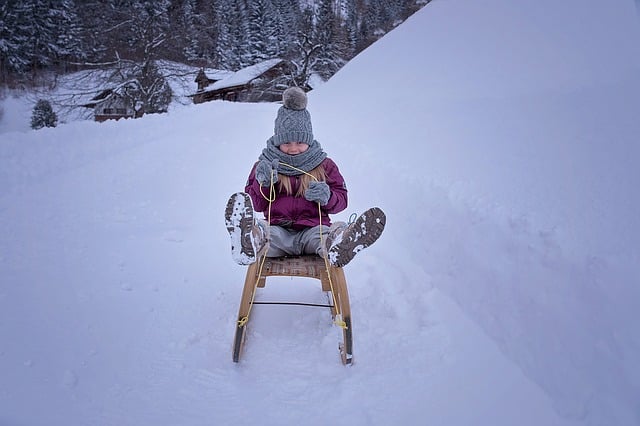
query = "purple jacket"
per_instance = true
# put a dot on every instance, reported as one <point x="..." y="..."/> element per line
<point x="296" y="212"/>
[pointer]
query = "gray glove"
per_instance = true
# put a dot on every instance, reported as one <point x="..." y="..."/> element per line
<point x="318" y="192"/>
<point x="264" y="170"/>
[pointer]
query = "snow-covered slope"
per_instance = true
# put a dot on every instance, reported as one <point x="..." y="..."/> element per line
<point x="504" y="290"/>
<point x="523" y="117"/>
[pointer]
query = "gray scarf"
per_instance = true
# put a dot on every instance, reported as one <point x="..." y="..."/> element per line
<point x="307" y="161"/>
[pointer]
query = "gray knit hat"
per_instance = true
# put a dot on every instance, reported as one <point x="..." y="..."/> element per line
<point x="293" y="122"/>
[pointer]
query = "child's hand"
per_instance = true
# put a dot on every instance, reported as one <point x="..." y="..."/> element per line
<point x="318" y="192"/>
<point x="265" y="170"/>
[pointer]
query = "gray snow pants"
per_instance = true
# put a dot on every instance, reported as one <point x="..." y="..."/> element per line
<point x="295" y="243"/>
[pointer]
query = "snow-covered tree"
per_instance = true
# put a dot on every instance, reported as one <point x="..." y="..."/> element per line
<point x="10" y="59"/>
<point x="155" y="92"/>
<point x="289" y="19"/>
<point x="38" y="34"/>
<point x="349" y="27"/>
<point x="35" y="34"/>
<point x="43" y="115"/>
<point x="136" y="74"/>
<point x="194" y="31"/>
<point x="231" y="45"/>
<point x="325" y="34"/>
<point x="68" y="33"/>
<point x="264" y="37"/>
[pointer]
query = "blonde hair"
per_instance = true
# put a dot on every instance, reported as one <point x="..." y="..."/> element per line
<point x="285" y="181"/>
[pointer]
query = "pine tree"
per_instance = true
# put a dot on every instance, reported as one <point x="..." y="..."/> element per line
<point x="349" y="28"/>
<point x="96" y="34"/>
<point x="38" y="34"/>
<point x="325" y="34"/>
<point x="35" y="34"/>
<point x="68" y="33"/>
<point x="239" y="34"/>
<point x="11" y="61"/>
<point x="288" y="23"/>
<point x="263" y="41"/>
<point x="191" y="30"/>
<point x="224" y="45"/>
<point x="232" y="50"/>
<point x="43" y="115"/>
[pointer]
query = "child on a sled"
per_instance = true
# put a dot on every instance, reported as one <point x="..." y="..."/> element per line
<point x="297" y="187"/>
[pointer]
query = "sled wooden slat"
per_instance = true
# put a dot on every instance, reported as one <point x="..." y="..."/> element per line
<point x="308" y="266"/>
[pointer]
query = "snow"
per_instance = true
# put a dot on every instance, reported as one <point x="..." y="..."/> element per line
<point x="15" y="114"/>
<point x="503" y="291"/>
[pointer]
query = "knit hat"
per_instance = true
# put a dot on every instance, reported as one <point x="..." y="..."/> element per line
<point x="293" y="122"/>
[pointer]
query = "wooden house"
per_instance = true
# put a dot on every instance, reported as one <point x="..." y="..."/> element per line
<point x="255" y="83"/>
<point x="110" y="105"/>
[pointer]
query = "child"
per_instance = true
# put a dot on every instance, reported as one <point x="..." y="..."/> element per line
<point x="297" y="186"/>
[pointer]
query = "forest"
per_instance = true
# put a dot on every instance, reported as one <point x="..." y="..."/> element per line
<point x="41" y="38"/>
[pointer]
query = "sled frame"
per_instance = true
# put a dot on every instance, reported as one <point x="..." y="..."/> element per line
<point x="308" y="266"/>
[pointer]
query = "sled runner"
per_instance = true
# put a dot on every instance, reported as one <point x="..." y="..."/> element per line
<point x="310" y="266"/>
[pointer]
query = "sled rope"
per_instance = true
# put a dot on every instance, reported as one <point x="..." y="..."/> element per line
<point x="338" y="318"/>
<point x="242" y="321"/>
<point x="272" y="196"/>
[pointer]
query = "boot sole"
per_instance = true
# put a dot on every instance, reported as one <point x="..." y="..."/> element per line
<point x="238" y="217"/>
<point x="361" y="234"/>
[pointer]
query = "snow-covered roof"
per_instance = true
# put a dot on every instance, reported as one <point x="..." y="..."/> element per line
<point x="216" y="74"/>
<point x="315" y="81"/>
<point x="100" y="97"/>
<point x="245" y="75"/>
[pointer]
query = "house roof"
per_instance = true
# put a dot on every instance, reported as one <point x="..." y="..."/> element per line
<point x="101" y="96"/>
<point x="245" y="75"/>
<point x="215" y="74"/>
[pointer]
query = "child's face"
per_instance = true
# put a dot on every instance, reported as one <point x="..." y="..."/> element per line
<point x="294" y="148"/>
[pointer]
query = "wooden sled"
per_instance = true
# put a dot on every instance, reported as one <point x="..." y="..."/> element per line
<point x="310" y="266"/>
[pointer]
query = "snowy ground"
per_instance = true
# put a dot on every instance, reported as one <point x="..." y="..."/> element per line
<point x="504" y="290"/>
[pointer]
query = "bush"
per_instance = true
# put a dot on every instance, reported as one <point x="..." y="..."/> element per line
<point x="43" y="115"/>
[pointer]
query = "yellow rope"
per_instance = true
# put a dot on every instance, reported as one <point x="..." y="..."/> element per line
<point x="338" y="319"/>
<point x="272" y="196"/>
<point x="243" y="321"/>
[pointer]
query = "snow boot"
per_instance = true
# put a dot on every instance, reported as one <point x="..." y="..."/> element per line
<point x="367" y="228"/>
<point x="247" y="239"/>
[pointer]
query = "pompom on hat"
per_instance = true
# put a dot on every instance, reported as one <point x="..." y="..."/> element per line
<point x="294" y="98"/>
<point x="293" y="122"/>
